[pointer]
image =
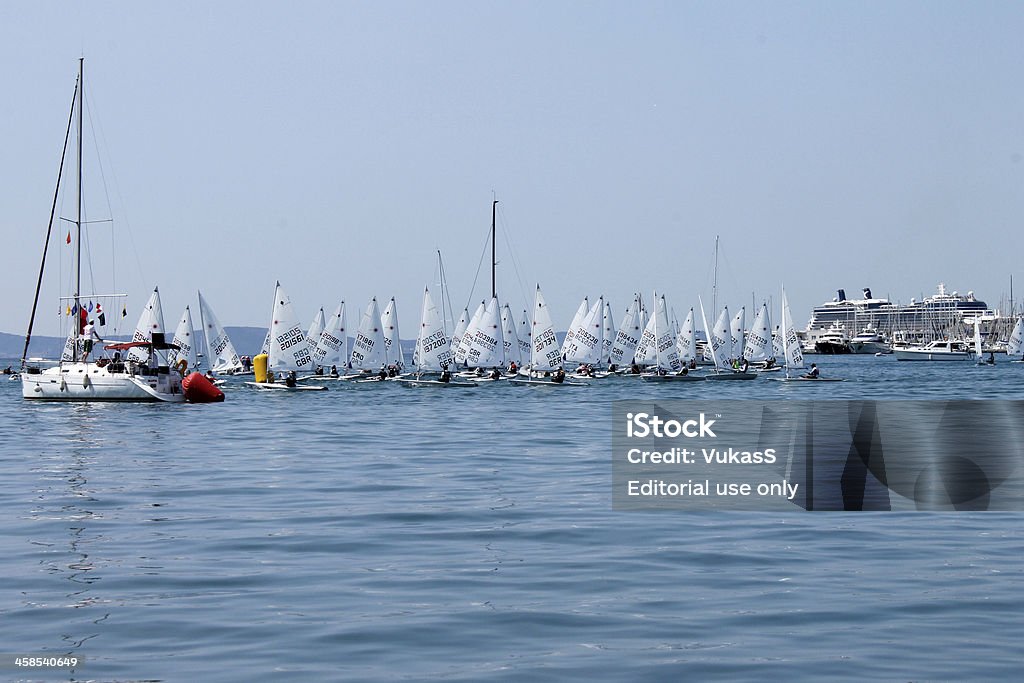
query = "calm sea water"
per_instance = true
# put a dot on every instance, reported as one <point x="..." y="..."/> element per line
<point x="377" y="532"/>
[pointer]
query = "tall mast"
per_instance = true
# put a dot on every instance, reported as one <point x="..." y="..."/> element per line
<point x="78" y="218"/>
<point x="494" y="260"/>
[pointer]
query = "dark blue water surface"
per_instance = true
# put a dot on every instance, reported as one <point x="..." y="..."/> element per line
<point x="378" y="532"/>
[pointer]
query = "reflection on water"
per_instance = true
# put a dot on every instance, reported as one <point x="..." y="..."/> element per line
<point x="370" y="532"/>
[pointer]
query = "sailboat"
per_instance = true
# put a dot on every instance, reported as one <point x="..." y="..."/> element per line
<point x="627" y="337"/>
<point x="587" y="342"/>
<point x="719" y="341"/>
<point x="658" y="348"/>
<point x="221" y="357"/>
<point x="332" y="347"/>
<point x="392" y="341"/>
<point x="791" y="349"/>
<point x="76" y="377"/>
<point x="758" y="347"/>
<point x="545" y="353"/>
<point x="185" y="355"/>
<point x="289" y="348"/>
<point x="368" y="354"/>
<point x="978" y="352"/>
<point x="1015" y="345"/>
<point x="433" y="351"/>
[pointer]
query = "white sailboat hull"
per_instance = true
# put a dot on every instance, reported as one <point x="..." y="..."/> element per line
<point x="90" y="382"/>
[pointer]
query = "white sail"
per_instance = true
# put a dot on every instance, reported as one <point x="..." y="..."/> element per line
<point x="777" y="338"/>
<point x="151" y="320"/>
<point x="790" y="342"/>
<point x="758" y="346"/>
<point x="586" y="344"/>
<point x="977" y="340"/>
<point x="577" y="321"/>
<point x="220" y="352"/>
<point x="665" y="355"/>
<point x="509" y="337"/>
<point x="686" y="342"/>
<point x="183" y="340"/>
<point x="289" y="349"/>
<point x="460" y="329"/>
<point x="736" y="333"/>
<point x="392" y="341"/>
<point x="368" y="348"/>
<point x="332" y="346"/>
<point x="315" y="328"/>
<point x="608" y="333"/>
<point x="462" y="350"/>
<point x="483" y="341"/>
<point x="433" y="351"/>
<point x="1015" y="345"/>
<point x="627" y="337"/>
<point x="545" y="354"/>
<point x="525" y="336"/>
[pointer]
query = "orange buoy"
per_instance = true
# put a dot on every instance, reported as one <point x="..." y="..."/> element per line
<point x="198" y="389"/>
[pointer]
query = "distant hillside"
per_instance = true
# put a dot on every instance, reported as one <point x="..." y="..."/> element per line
<point x="247" y="340"/>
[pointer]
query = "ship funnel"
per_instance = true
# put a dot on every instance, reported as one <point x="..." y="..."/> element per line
<point x="842" y="295"/>
<point x="867" y="293"/>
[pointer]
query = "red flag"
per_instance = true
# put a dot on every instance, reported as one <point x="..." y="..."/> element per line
<point x="68" y="240"/>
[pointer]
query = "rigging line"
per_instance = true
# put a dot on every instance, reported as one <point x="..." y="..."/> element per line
<point x="94" y="123"/>
<point x="512" y="256"/>
<point x="479" y="265"/>
<point x="49" y="229"/>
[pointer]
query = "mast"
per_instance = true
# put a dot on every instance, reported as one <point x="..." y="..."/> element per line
<point x="494" y="260"/>
<point x="206" y="339"/>
<point x="49" y="228"/>
<point x="78" y="218"/>
<point x="714" y="285"/>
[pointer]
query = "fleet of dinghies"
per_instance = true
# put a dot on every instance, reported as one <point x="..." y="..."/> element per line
<point x="488" y="346"/>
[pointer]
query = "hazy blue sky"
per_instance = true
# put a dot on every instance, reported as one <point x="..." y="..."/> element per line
<point x="334" y="146"/>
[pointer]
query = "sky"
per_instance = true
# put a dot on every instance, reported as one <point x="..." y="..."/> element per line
<point x="337" y="146"/>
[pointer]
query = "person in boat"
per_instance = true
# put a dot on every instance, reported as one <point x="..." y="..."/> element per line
<point x="270" y="376"/>
<point x="693" y="363"/>
<point x="290" y="380"/>
<point x="495" y="373"/>
<point x="445" y="375"/>
<point x="813" y="374"/>
<point x="90" y="334"/>
<point x="613" y="368"/>
<point x="683" y="371"/>
<point x="319" y="372"/>
<point x="210" y="377"/>
<point x="383" y="374"/>
<point x="770" y="363"/>
<point x="559" y="376"/>
<point x="334" y="371"/>
<point x="991" y="358"/>
<point x="634" y="369"/>
<point x="8" y="370"/>
<point x="513" y="368"/>
<point x="479" y="372"/>
<point x="744" y="365"/>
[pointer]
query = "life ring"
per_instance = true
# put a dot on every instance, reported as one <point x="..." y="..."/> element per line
<point x="182" y="366"/>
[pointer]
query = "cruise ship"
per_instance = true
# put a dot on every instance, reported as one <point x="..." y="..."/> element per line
<point x="934" y="317"/>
